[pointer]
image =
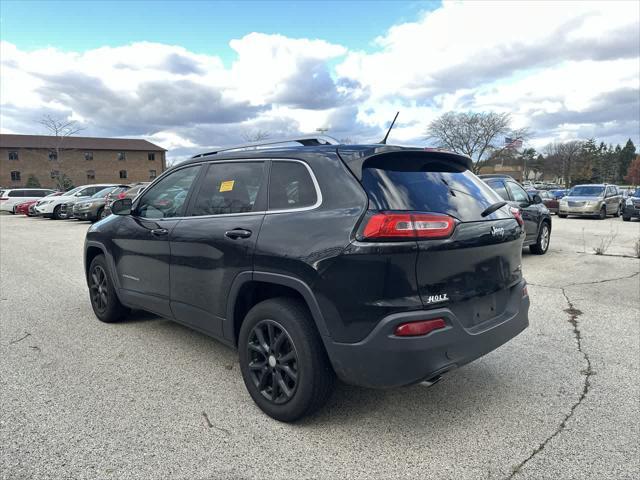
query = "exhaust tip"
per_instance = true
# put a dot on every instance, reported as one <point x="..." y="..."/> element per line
<point x="431" y="382"/>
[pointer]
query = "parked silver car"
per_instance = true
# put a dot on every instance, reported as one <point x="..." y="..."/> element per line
<point x="596" y="200"/>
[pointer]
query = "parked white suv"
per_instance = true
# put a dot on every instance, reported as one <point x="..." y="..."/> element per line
<point x="52" y="207"/>
<point x="11" y="197"/>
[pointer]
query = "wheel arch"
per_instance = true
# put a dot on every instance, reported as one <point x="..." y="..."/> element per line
<point x="250" y="288"/>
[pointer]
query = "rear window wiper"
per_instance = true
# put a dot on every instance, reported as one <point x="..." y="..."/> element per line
<point x="492" y="208"/>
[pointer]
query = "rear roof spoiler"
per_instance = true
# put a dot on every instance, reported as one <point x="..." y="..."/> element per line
<point x="354" y="156"/>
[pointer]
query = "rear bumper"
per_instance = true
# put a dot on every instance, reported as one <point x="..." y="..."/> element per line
<point x="384" y="360"/>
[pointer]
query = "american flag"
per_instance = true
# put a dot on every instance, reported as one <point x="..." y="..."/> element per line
<point x="512" y="143"/>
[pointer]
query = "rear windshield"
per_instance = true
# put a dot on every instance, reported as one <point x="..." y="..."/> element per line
<point x="427" y="186"/>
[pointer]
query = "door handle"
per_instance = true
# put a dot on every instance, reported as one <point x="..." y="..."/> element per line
<point x="238" y="233"/>
<point x="158" y="232"/>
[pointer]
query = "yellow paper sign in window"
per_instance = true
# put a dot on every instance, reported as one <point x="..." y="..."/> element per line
<point x="227" y="186"/>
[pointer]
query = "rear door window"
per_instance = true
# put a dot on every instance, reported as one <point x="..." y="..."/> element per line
<point x="229" y="188"/>
<point x="500" y="189"/>
<point x="291" y="186"/>
<point x="16" y="193"/>
<point x="517" y="193"/>
<point x="418" y="183"/>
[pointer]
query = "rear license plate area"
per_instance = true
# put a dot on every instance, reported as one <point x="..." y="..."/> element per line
<point x="484" y="309"/>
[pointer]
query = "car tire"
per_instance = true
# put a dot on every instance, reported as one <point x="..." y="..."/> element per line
<point x="544" y="238"/>
<point x="280" y="348"/>
<point x="102" y="294"/>
<point x="56" y="213"/>
<point x="603" y="213"/>
<point x="626" y="219"/>
<point x="562" y="215"/>
<point x="101" y="214"/>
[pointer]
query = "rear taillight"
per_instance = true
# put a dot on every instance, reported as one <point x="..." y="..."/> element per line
<point x="408" y="225"/>
<point x="423" y="327"/>
<point x="121" y="195"/>
<point x="518" y="216"/>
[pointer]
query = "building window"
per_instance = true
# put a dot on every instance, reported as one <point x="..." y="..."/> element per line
<point x="55" y="173"/>
<point x="13" y="155"/>
<point x="91" y="175"/>
<point x="122" y="156"/>
<point x="123" y="174"/>
<point x="88" y="155"/>
<point x="53" y="155"/>
<point x="15" y="176"/>
<point x="152" y="174"/>
<point x="151" y="156"/>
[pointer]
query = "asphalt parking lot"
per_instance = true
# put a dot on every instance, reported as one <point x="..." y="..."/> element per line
<point x="151" y="399"/>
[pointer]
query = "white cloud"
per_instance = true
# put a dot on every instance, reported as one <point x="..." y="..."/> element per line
<point x="564" y="69"/>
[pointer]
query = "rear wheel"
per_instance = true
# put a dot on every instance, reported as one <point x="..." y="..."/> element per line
<point x="104" y="301"/>
<point x="603" y="213"/>
<point x="283" y="362"/>
<point x="542" y="244"/>
<point x="626" y="219"/>
<point x="562" y="215"/>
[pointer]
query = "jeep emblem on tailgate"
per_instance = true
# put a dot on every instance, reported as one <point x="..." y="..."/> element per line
<point x="497" y="232"/>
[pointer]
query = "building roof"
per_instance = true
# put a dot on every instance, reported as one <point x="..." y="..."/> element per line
<point x="77" y="143"/>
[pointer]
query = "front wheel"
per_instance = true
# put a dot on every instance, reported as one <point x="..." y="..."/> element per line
<point x="104" y="301"/>
<point x="56" y="213"/>
<point x="562" y="215"/>
<point x="283" y="362"/>
<point x="603" y="213"/>
<point x="542" y="244"/>
<point x="626" y="219"/>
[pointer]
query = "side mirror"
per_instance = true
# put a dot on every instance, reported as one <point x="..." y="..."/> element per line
<point x="537" y="198"/>
<point x="121" y="206"/>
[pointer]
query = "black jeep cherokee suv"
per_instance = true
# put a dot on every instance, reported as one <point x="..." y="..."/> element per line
<point x="383" y="265"/>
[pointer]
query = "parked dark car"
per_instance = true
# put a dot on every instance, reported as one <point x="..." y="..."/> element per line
<point x="383" y="265"/>
<point x="632" y="206"/>
<point x="536" y="216"/>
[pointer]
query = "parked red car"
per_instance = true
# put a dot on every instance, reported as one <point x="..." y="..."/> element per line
<point x="549" y="201"/>
<point x="24" y="208"/>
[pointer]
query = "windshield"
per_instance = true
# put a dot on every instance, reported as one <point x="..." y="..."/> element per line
<point x="71" y="192"/>
<point x="586" y="191"/>
<point x="103" y="192"/>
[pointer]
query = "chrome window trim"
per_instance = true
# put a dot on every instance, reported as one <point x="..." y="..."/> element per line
<point x="260" y="212"/>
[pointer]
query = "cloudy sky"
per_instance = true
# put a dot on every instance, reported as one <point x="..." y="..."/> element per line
<point x="194" y="75"/>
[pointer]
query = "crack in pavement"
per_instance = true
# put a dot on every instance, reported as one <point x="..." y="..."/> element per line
<point x="573" y="313"/>
<point x="562" y="287"/>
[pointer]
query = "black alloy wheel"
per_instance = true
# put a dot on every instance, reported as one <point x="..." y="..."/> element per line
<point x="603" y="213"/>
<point x="273" y="361"/>
<point x="99" y="289"/>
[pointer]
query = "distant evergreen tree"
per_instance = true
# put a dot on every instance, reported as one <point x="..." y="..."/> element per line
<point x="589" y="162"/>
<point x="627" y="155"/>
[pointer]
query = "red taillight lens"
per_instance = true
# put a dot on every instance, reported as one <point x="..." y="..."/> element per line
<point x="518" y="216"/>
<point x="423" y="327"/>
<point x="121" y="195"/>
<point x="408" y="225"/>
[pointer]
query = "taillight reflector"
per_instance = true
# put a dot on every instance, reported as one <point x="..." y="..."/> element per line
<point x="423" y="327"/>
<point x="408" y="225"/>
<point x="518" y="216"/>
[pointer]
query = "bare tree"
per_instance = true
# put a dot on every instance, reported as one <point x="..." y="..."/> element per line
<point x="566" y="153"/>
<point x="60" y="130"/>
<point x="255" y="135"/>
<point x="476" y="135"/>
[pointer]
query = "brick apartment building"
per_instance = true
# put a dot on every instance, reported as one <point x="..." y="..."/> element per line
<point x="84" y="160"/>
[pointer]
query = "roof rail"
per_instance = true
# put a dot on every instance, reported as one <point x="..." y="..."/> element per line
<point x="306" y="141"/>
